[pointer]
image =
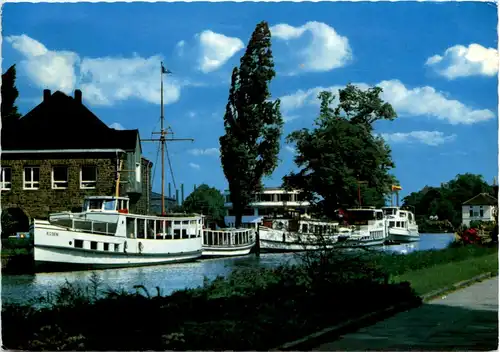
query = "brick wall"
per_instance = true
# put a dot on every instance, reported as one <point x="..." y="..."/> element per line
<point x="39" y="203"/>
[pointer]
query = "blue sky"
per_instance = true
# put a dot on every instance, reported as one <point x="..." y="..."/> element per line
<point x="437" y="64"/>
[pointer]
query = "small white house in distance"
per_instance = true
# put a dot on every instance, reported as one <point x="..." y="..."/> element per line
<point x="482" y="207"/>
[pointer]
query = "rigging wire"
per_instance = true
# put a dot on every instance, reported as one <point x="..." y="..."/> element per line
<point x="170" y="166"/>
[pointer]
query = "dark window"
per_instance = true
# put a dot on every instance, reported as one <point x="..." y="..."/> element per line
<point x="6" y="178"/>
<point x="88" y="177"/>
<point x="184" y="233"/>
<point x="78" y="243"/>
<point x="177" y="234"/>
<point x="93" y="245"/>
<point x="60" y="177"/>
<point x="481" y="212"/>
<point x="471" y="213"/>
<point x="31" y="177"/>
<point x="106" y="246"/>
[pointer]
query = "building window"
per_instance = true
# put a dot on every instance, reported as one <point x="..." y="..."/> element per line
<point x="137" y="172"/>
<point x="88" y="177"/>
<point x="6" y="178"/>
<point x="31" y="177"/>
<point x="60" y="177"/>
<point x="481" y="211"/>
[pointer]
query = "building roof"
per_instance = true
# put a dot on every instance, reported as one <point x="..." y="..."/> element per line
<point x="63" y="122"/>
<point x="482" y="199"/>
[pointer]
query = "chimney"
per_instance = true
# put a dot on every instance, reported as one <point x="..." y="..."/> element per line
<point x="194" y="188"/>
<point x="182" y="193"/>
<point x="169" y="191"/>
<point x="78" y="96"/>
<point x="177" y="197"/>
<point x="46" y="94"/>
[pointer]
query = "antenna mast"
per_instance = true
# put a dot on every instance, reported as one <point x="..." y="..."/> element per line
<point x="163" y="139"/>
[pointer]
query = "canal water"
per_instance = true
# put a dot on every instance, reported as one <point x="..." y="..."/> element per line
<point x="171" y="277"/>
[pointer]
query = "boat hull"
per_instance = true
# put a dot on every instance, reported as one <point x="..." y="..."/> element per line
<point x="55" y="249"/>
<point x="360" y="243"/>
<point x="402" y="236"/>
<point x="232" y="251"/>
<point x="279" y="241"/>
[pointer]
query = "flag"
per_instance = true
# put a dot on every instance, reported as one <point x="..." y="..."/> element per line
<point x="396" y="188"/>
<point x="164" y="70"/>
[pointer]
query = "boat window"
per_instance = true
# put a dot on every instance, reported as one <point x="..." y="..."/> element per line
<point x="304" y="228"/>
<point x="141" y="228"/>
<point x="93" y="245"/>
<point x="391" y="224"/>
<point x="78" y="243"/>
<point x="117" y="247"/>
<point x="379" y="215"/>
<point x="106" y="246"/>
<point x="185" y="222"/>
<point x="403" y="215"/>
<point x="177" y="222"/>
<point x="150" y="228"/>
<point x="110" y="204"/>
<point x="177" y="234"/>
<point x="184" y="233"/>
<point x="130" y="227"/>
<point x="199" y="233"/>
<point x="85" y="205"/>
<point x="95" y="204"/>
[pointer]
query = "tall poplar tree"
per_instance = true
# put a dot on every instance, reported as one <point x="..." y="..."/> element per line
<point x="9" y="95"/>
<point x="253" y="123"/>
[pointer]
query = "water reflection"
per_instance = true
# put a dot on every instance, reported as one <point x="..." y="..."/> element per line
<point x="17" y="288"/>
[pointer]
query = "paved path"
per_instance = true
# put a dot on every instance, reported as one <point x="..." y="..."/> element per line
<point x="465" y="320"/>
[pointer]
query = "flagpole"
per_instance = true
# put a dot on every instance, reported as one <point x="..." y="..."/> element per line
<point x="162" y="141"/>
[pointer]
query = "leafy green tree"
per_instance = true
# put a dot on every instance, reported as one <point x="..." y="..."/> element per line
<point x="206" y="200"/>
<point x="341" y="150"/>
<point x="446" y="201"/>
<point x="253" y="123"/>
<point x="9" y="95"/>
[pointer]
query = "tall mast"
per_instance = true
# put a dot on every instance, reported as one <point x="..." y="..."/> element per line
<point x="163" y="139"/>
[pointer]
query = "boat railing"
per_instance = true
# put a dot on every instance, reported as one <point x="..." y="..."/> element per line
<point x="90" y="226"/>
<point x="228" y="237"/>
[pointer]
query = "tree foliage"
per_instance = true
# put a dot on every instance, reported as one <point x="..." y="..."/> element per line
<point x="253" y="124"/>
<point x="341" y="150"/>
<point x="206" y="200"/>
<point x="9" y="95"/>
<point x="446" y="201"/>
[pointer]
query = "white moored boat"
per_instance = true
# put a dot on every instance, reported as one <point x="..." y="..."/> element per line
<point x="228" y="242"/>
<point x="401" y="225"/>
<point x="290" y="235"/>
<point x="106" y="235"/>
<point x="367" y="227"/>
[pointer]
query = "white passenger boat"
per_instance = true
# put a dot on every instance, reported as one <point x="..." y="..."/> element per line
<point x="106" y="235"/>
<point x="228" y="242"/>
<point x="401" y="225"/>
<point x="284" y="225"/>
<point x="293" y="235"/>
<point x="367" y="226"/>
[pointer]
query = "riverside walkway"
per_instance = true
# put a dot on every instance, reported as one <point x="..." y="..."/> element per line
<point x="465" y="320"/>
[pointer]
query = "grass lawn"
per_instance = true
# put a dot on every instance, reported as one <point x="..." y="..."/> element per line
<point x="439" y="276"/>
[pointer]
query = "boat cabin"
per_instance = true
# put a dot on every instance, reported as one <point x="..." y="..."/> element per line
<point x="106" y="204"/>
<point x="362" y="216"/>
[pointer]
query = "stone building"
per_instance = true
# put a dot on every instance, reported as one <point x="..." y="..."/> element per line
<point x="60" y="152"/>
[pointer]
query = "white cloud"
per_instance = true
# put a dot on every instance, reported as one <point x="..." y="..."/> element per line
<point x="103" y="81"/>
<point x="290" y="149"/>
<point x="418" y="101"/>
<point x="325" y="51"/>
<point x="48" y="69"/>
<point x="460" y="61"/>
<point x="432" y="138"/>
<point x="216" y="49"/>
<point x="109" y="79"/>
<point x="116" y="126"/>
<point x="194" y="166"/>
<point x="201" y="152"/>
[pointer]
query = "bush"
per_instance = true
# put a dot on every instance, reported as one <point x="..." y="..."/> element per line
<point x="248" y="310"/>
